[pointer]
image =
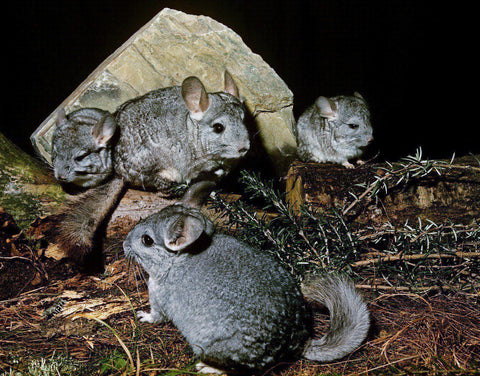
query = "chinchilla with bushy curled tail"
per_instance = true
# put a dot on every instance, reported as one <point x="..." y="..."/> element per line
<point x="157" y="141"/>
<point x="237" y="307"/>
<point x="334" y="130"/>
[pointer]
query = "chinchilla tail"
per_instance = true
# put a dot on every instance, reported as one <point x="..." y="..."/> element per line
<point x="81" y="217"/>
<point x="349" y="317"/>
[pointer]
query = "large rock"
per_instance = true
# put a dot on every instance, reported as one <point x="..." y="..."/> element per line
<point x="171" y="47"/>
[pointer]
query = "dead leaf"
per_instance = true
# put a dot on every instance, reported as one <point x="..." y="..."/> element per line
<point x="54" y="251"/>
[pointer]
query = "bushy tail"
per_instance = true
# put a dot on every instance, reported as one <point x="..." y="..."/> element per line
<point x="82" y="216"/>
<point x="349" y="318"/>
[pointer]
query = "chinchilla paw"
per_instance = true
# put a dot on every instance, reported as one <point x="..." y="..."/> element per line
<point x="205" y="368"/>
<point x="348" y="165"/>
<point x="145" y="316"/>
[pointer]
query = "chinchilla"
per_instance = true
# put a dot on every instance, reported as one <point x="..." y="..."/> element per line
<point x="334" y="130"/>
<point x="82" y="147"/>
<point x="157" y="141"/>
<point x="237" y="307"/>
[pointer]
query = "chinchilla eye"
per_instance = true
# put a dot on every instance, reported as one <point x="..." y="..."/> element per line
<point x="147" y="240"/>
<point x="218" y="127"/>
<point x="80" y="157"/>
<point x="353" y="126"/>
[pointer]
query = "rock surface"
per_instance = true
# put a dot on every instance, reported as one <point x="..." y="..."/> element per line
<point x="171" y="47"/>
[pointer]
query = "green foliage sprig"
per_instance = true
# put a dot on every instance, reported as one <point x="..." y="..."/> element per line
<point x="416" y="257"/>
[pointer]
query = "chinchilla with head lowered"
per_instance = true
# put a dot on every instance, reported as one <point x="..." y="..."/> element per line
<point x="235" y="305"/>
<point x="334" y="130"/>
<point x="157" y="141"/>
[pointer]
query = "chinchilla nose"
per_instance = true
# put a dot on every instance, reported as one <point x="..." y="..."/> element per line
<point x="60" y="175"/>
<point x="244" y="149"/>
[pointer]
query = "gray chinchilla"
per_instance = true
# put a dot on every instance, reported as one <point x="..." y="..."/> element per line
<point x="334" y="130"/>
<point x="235" y="305"/>
<point x="157" y="141"/>
<point x="82" y="147"/>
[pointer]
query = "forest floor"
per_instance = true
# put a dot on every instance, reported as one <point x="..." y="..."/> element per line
<point x="56" y="319"/>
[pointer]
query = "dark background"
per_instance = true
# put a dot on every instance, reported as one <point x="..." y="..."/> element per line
<point x="407" y="58"/>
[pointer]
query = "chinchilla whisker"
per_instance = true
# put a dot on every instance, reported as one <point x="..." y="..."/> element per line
<point x="212" y="154"/>
<point x="136" y="272"/>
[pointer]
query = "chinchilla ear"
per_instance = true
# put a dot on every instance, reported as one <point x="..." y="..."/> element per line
<point x="230" y="86"/>
<point x="358" y="95"/>
<point x="195" y="97"/>
<point x="327" y="108"/>
<point x="183" y="232"/>
<point x="104" y="130"/>
<point x="197" y="194"/>
<point x="61" y="118"/>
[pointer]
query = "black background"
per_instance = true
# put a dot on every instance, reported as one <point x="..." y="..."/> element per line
<point x="407" y="58"/>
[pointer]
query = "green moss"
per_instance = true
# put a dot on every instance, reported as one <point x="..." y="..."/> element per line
<point x="27" y="189"/>
<point x="16" y="162"/>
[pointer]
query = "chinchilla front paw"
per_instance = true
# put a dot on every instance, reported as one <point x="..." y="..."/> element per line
<point x="147" y="317"/>
<point x="206" y="369"/>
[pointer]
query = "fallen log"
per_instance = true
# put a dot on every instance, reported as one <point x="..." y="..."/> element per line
<point x="407" y="190"/>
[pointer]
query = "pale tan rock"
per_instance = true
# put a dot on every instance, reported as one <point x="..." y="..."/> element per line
<point x="171" y="47"/>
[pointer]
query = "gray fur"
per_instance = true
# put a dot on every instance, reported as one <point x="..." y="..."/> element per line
<point x="82" y="147"/>
<point x="235" y="305"/>
<point x="334" y="130"/>
<point x="157" y="141"/>
<point x="349" y="315"/>
<point x="173" y="147"/>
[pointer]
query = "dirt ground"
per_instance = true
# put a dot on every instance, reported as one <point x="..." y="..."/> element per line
<point x="49" y="308"/>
